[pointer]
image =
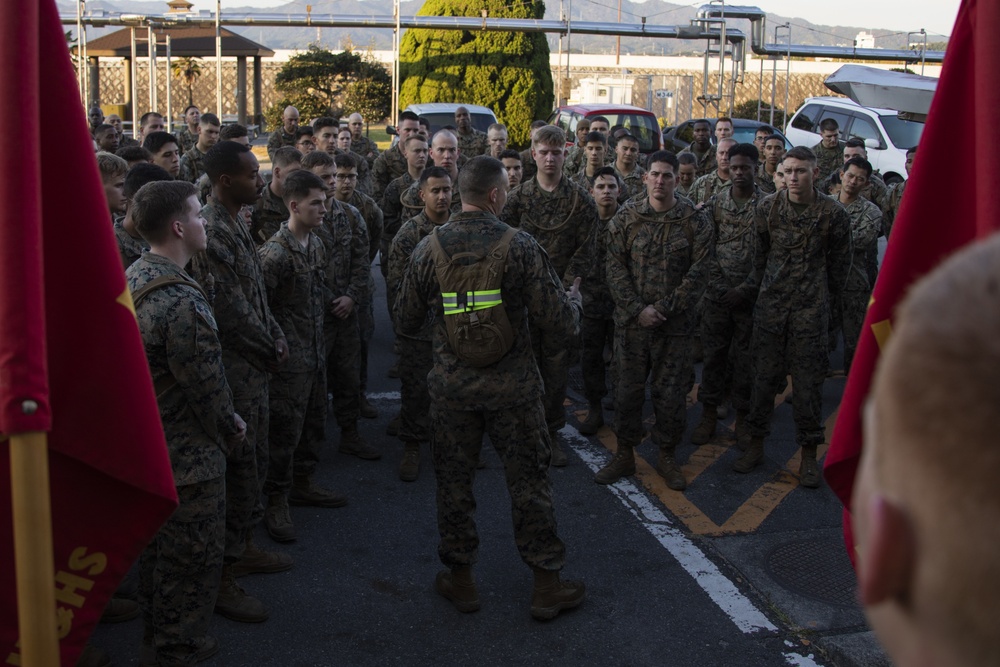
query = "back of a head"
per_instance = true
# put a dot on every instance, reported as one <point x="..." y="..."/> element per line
<point x="317" y="159"/>
<point x="224" y="157"/>
<point x="111" y="166"/>
<point x="936" y="397"/>
<point x="134" y="154"/>
<point x="286" y="155"/>
<point x="232" y="131"/>
<point x="143" y="173"/>
<point x="478" y="177"/>
<point x="158" y="204"/>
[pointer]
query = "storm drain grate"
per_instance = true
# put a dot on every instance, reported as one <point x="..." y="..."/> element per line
<point x="817" y="569"/>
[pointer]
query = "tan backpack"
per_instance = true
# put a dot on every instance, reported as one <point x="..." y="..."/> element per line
<point x="475" y="319"/>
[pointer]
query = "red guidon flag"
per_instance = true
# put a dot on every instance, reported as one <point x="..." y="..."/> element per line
<point x="953" y="198"/>
<point x="71" y="358"/>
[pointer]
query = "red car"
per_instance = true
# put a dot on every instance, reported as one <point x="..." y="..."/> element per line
<point x="636" y="120"/>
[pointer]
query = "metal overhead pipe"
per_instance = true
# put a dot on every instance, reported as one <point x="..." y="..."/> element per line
<point x="470" y="23"/>
<point x="758" y="31"/>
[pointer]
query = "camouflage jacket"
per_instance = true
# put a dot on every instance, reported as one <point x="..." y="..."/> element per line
<point x="799" y="260"/>
<point x="597" y="301"/>
<point x="192" y="166"/>
<point x="733" y="224"/>
<point x="528" y="167"/>
<point x="388" y="166"/>
<point x="373" y="219"/>
<point x="874" y="191"/>
<point x="828" y="159"/>
<point x="345" y="238"/>
<point x="659" y="259"/>
<point x="393" y="210"/>
<point x="530" y="289"/>
<point x="187" y="138"/>
<point x="411" y="205"/>
<point x="633" y="183"/>
<point x="230" y="270"/>
<point x="297" y="294"/>
<point x="705" y="163"/>
<point x="894" y="198"/>
<point x="269" y="212"/>
<point x="866" y="227"/>
<point x="708" y="185"/>
<point x="764" y="180"/>
<point x="410" y="234"/>
<point x="472" y="144"/>
<point x="366" y="181"/>
<point x="181" y="340"/>
<point x="561" y="221"/>
<point x="576" y="160"/>
<point x="278" y="139"/>
<point x="366" y="148"/>
<point x="129" y="247"/>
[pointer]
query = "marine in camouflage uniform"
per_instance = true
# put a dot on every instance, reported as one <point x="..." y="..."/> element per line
<point x="187" y="138"/>
<point x="472" y="144"/>
<point x="179" y="570"/>
<point x="726" y="330"/>
<point x="633" y="182"/>
<point x="374" y="223"/>
<point x="345" y="238"/>
<point x="801" y="260"/>
<point x="192" y="167"/>
<point x="893" y="200"/>
<point x="230" y="271"/>
<point x="561" y="221"/>
<point x="278" y="139"/>
<point x="130" y="248"/>
<point x="366" y="148"/>
<point x="764" y="180"/>
<point x="877" y="193"/>
<point x="388" y="166"/>
<point x="708" y="185"/>
<point x="394" y="213"/>
<point x="501" y="400"/>
<point x="705" y="162"/>
<point x="268" y="213"/>
<point x="866" y="225"/>
<point x="828" y="159"/>
<point x="659" y="260"/>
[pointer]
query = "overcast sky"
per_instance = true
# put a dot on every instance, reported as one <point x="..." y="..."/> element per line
<point x="936" y="16"/>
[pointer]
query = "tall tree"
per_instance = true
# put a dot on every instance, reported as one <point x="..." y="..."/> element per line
<point x="371" y="93"/>
<point x="506" y="71"/>
<point x="187" y="69"/>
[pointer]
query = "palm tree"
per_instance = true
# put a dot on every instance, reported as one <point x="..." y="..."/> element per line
<point x="188" y="69"/>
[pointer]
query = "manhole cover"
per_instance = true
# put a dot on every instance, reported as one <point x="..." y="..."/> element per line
<point x="817" y="569"/>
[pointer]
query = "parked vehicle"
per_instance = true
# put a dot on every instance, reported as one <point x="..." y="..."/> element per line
<point x="638" y="121"/>
<point x="440" y="114"/>
<point x="679" y="137"/>
<point x="886" y="135"/>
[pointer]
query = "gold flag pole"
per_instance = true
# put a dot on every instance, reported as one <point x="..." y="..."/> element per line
<point x="33" y="560"/>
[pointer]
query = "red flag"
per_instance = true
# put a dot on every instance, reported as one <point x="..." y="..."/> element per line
<point x="931" y="224"/>
<point x="68" y="340"/>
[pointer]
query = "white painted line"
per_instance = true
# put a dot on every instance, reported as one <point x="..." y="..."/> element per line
<point x="797" y="660"/>
<point x="740" y="610"/>
<point x="384" y="396"/>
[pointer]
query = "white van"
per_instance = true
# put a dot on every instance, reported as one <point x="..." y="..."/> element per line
<point x="886" y="135"/>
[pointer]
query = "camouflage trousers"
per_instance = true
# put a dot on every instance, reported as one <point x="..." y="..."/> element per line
<point x="725" y="337"/>
<point x="297" y="429"/>
<point x="179" y="572"/>
<point x="366" y="328"/>
<point x="554" y="356"/>
<point x="801" y="351"/>
<point x="343" y="366"/>
<point x="520" y="438"/>
<point x="854" y="305"/>
<point x="667" y="362"/>
<point x="597" y="332"/>
<point x="416" y="358"/>
<point x="246" y="463"/>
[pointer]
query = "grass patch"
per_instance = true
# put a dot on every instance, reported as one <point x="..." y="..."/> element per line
<point x="378" y="134"/>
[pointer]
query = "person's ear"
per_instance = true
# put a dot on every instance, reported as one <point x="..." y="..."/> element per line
<point x="887" y="562"/>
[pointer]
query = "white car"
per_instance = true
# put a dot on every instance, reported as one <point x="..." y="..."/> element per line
<point x="886" y="135"/>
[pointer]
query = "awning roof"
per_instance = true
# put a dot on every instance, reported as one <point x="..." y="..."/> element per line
<point x="195" y="42"/>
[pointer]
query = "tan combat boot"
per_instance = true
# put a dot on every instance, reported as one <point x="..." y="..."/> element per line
<point x="706" y="427"/>
<point x="594" y="420"/>
<point x="352" y="443"/>
<point x="258" y="561"/>
<point x="409" y="467"/>
<point x="306" y="493"/>
<point x="278" y="520"/>
<point x="459" y="588"/>
<point x="751" y="457"/>
<point x="551" y="595"/>
<point x="621" y="465"/>
<point x="667" y="468"/>
<point x="234" y="603"/>
<point x="809" y="468"/>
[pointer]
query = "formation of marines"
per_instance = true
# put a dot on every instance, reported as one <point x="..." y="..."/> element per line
<point x="255" y="302"/>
